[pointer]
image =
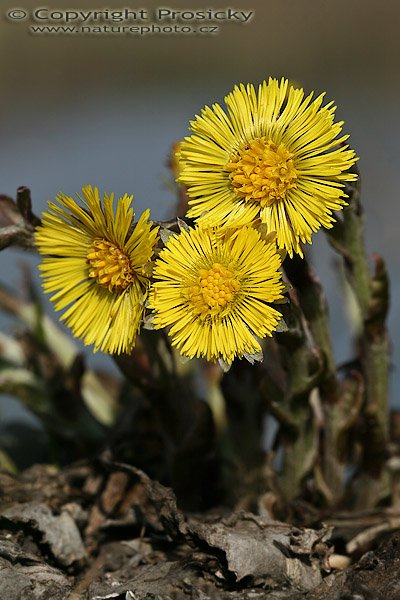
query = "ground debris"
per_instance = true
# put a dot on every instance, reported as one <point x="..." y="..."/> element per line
<point x="264" y="552"/>
<point x="374" y="577"/>
<point x="23" y="576"/>
<point x="60" y="532"/>
<point x="105" y="530"/>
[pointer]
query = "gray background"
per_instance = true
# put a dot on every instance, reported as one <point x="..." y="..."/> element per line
<point x="105" y="109"/>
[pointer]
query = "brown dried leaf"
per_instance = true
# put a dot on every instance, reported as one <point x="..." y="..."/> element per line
<point x="269" y="552"/>
<point x="25" y="577"/>
<point x="60" y="533"/>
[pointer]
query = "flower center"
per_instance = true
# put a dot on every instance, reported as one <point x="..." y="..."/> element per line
<point x="215" y="289"/>
<point x="262" y="171"/>
<point x="109" y="265"/>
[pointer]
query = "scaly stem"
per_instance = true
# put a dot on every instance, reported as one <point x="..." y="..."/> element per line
<point x="372" y="298"/>
<point x="347" y="238"/>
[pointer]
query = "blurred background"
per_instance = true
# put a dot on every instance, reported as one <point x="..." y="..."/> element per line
<point x="105" y="108"/>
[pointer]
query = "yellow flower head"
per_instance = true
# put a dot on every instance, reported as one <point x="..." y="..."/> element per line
<point x="212" y="288"/>
<point x="274" y="155"/>
<point x="97" y="266"/>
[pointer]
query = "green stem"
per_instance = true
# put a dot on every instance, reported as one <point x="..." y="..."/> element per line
<point x="347" y="238"/>
<point x="372" y="299"/>
<point x="315" y="309"/>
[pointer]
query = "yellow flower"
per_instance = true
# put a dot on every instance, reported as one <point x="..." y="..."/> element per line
<point x="212" y="288"/>
<point x="97" y="267"/>
<point x="274" y="155"/>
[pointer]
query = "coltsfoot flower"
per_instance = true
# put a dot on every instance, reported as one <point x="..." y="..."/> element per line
<point x="97" y="265"/>
<point x="212" y="289"/>
<point x="275" y="155"/>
